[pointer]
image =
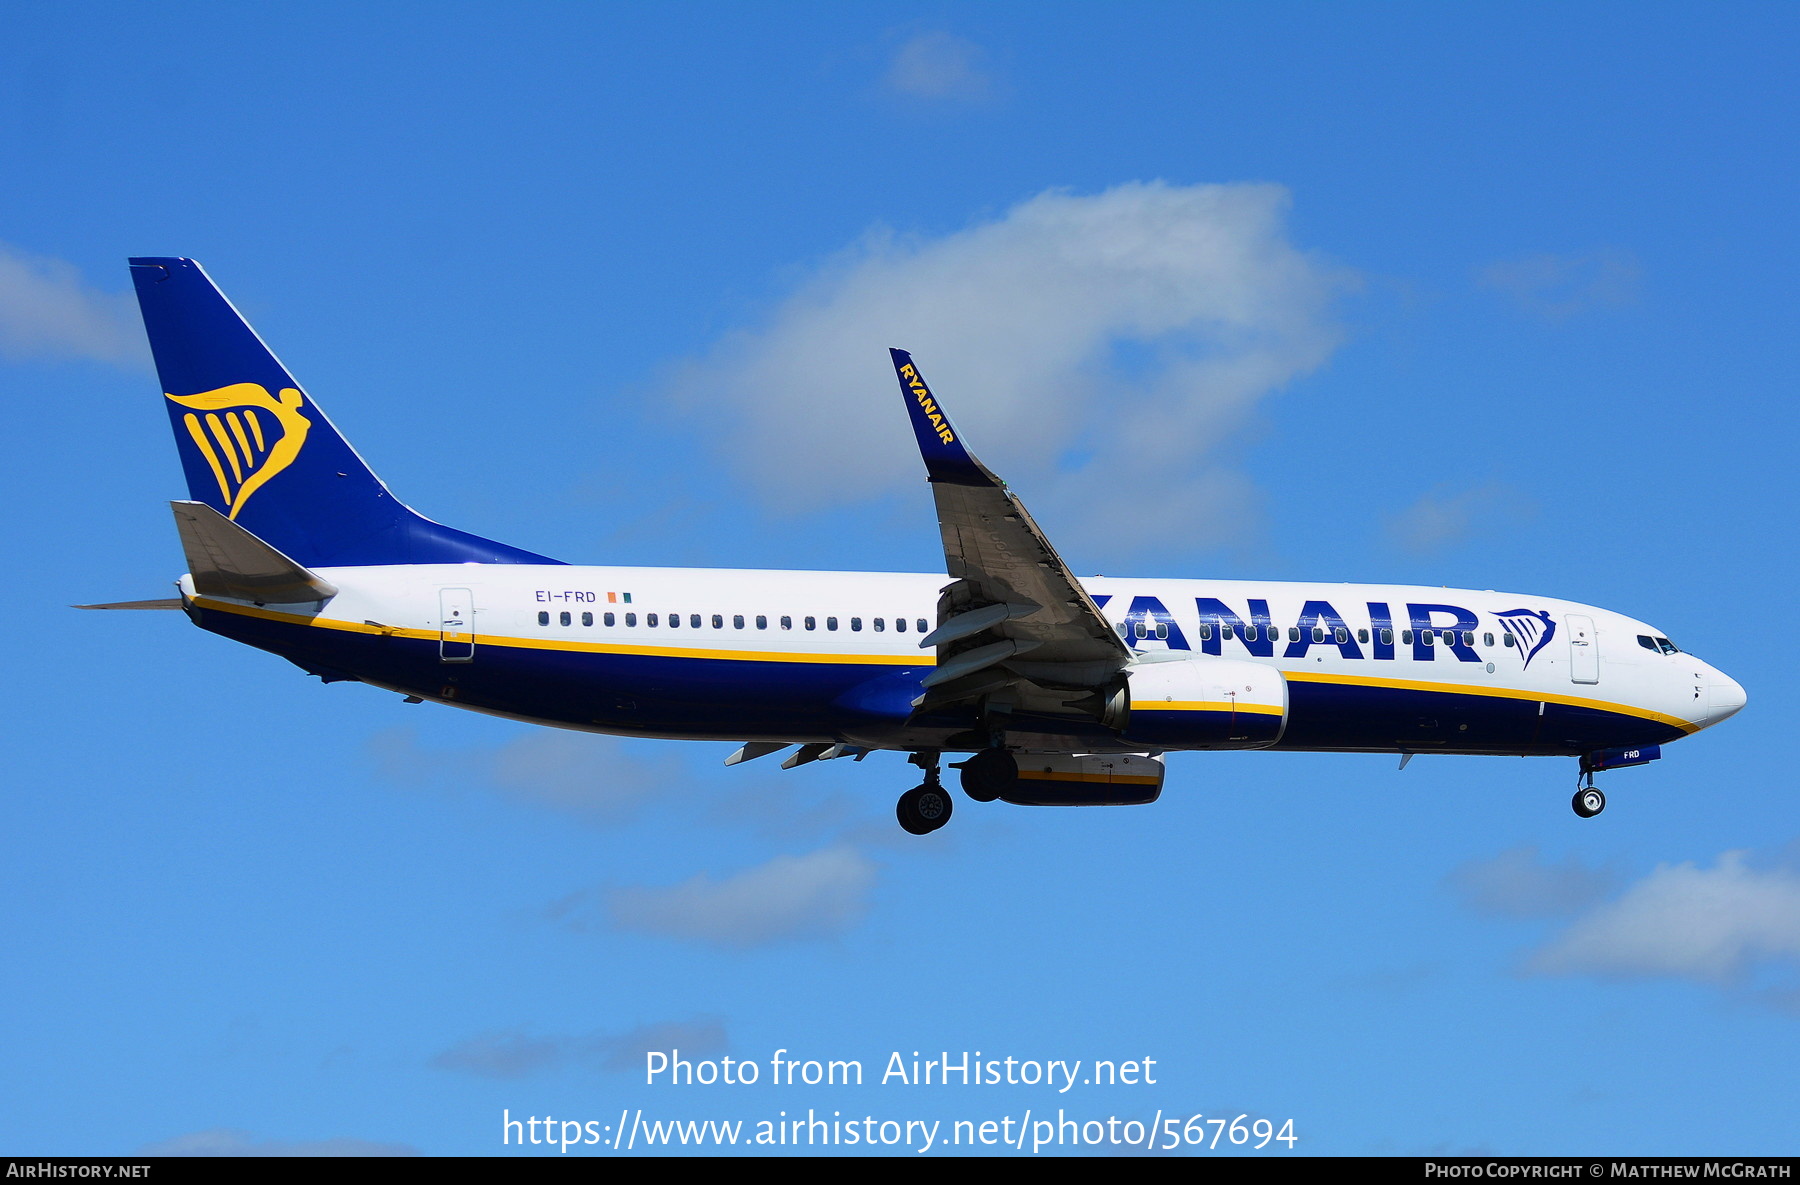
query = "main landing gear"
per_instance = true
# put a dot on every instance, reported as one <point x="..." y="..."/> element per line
<point x="925" y="807"/>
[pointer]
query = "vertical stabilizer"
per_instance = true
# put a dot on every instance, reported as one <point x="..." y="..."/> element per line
<point x="258" y="450"/>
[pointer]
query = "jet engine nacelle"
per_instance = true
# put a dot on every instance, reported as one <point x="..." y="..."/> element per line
<point x="1205" y="703"/>
<point x="1087" y="779"/>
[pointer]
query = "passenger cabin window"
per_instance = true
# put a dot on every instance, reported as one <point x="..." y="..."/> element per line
<point x="1362" y="635"/>
<point x="1487" y="639"/>
<point x="899" y="625"/>
<point x="812" y="623"/>
<point x="631" y="619"/>
<point x="1140" y="630"/>
<point x="1250" y="633"/>
<point x="649" y="620"/>
<point x="694" y="620"/>
<point x="831" y="623"/>
<point x="1225" y="631"/>
<point x="879" y="625"/>
<point x="1428" y="637"/>
<point x="587" y="619"/>
<point x="1206" y="631"/>
<point x="674" y="621"/>
<point x="543" y="619"/>
<point x="737" y="621"/>
<point x="1340" y="635"/>
<point x="1406" y="637"/>
<point x="923" y="628"/>
<point x="1387" y="637"/>
<point x="787" y="623"/>
<point x="1293" y="633"/>
<point x="719" y="622"/>
<point x="1508" y="640"/>
<point x="762" y="621"/>
<point x="609" y="620"/>
<point x="564" y="617"/>
<point x="1318" y="634"/>
<point x="1162" y="631"/>
<point x="856" y="624"/>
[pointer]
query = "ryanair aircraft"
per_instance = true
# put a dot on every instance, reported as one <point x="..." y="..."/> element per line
<point x="1060" y="691"/>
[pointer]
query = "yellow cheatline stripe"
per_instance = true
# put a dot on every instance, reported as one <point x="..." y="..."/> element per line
<point x="224" y="439"/>
<point x="1495" y="693"/>
<point x="1205" y="705"/>
<point x="255" y="427"/>
<point x="1026" y="775"/>
<point x="237" y="429"/>
<point x="357" y="627"/>
<point x="206" y="450"/>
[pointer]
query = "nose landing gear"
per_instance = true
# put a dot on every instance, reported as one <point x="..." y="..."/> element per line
<point x="925" y="807"/>
<point x="1588" y="800"/>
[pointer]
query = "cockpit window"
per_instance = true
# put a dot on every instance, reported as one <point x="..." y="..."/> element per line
<point x="1648" y="643"/>
<point x="1658" y="645"/>
<point x="1667" y="646"/>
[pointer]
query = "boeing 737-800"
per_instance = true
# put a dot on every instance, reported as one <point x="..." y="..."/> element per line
<point x="1060" y="691"/>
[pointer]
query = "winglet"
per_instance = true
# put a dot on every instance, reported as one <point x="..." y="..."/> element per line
<point x="946" y="458"/>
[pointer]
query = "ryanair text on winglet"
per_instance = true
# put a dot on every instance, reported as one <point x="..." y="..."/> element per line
<point x="926" y="403"/>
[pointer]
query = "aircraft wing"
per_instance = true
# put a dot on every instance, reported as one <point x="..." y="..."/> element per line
<point x="1013" y="620"/>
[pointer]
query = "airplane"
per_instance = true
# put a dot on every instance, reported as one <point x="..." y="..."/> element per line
<point x="1060" y="691"/>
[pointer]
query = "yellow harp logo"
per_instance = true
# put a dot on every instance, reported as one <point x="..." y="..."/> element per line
<point x="244" y="451"/>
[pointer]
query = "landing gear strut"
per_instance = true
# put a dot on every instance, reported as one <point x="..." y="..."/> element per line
<point x="925" y="807"/>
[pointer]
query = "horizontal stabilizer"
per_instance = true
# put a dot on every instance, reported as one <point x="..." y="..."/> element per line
<point x="168" y="603"/>
<point x="225" y="560"/>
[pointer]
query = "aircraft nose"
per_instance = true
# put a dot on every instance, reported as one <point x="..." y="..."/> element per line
<point x="1725" y="697"/>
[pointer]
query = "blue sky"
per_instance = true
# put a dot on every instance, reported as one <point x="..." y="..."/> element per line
<point x="1482" y="296"/>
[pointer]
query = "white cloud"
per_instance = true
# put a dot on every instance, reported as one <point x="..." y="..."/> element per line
<point x="938" y="65"/>
<point x="790" y="897"/>
<point x="514" y="1053"/>
<point x="221" y="1141"/>
<point x="1446" y="517"/>
<point x="1095" y="349"/>
<point x="598" y="778"/>
<point x="1560" y="286"/>
<point x="1714" y="925"/>
<point x="47" y="312"/>
<point x="702" y="1037"/>
<point x="1519" y="883"/>
<point x="511" y="1054"/>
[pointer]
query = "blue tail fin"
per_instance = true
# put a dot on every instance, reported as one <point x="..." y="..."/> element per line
<point x="257" y="449"/>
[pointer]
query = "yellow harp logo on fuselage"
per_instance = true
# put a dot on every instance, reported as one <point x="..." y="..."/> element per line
<point x="245" y="452"/>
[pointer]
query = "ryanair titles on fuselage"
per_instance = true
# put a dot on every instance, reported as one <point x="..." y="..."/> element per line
<point x="1428" y="628"/>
